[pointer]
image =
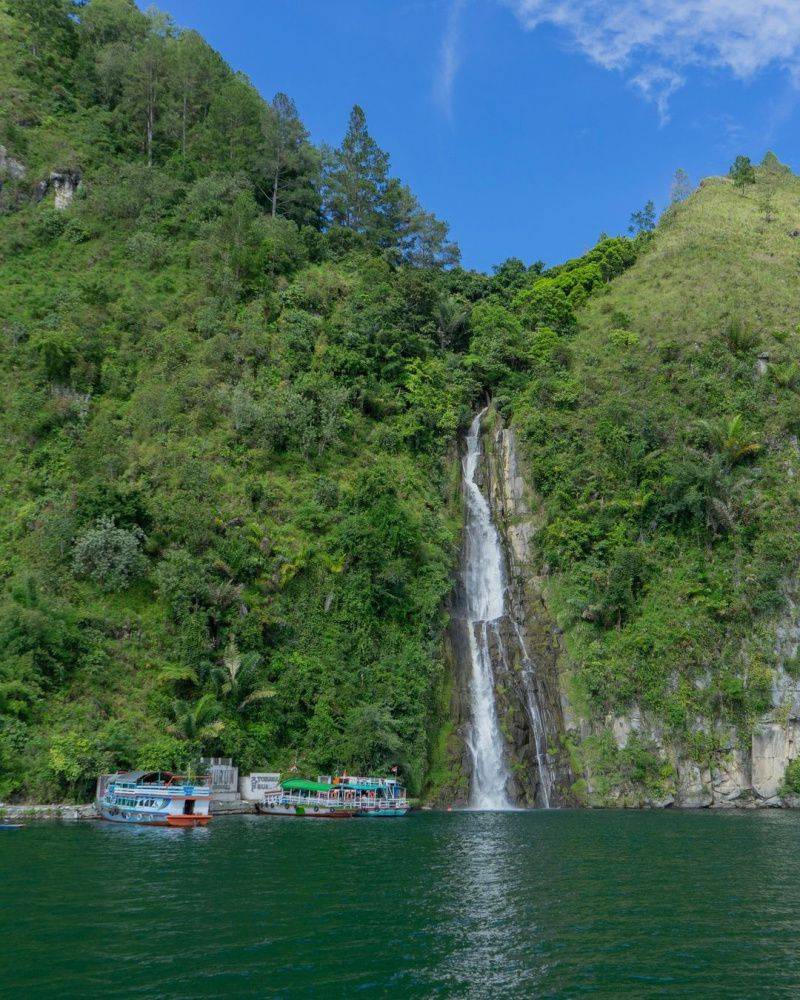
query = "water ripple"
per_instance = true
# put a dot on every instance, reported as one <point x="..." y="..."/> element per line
<point x="550" y="904"/>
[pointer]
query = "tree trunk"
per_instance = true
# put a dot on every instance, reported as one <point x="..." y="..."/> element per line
<point x="150" y="117"/>
<point x="183" y="124"/>
<point x="275" y="193"/>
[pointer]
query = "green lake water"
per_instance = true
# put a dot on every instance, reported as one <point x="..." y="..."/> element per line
<point x="537" y="904"/>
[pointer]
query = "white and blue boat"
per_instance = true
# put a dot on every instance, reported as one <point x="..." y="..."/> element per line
<point x="379" y="798"/>
<point x="155" y="798"/>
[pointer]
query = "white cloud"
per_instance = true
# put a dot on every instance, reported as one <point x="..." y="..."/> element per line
<point x="658" y="84"/>
<point x="449" y="58"/>
<point x="654" y="41"/>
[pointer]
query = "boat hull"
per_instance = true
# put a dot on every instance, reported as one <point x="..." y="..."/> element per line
<point x="383" y="813"/>
<point x="152" y="819"/>
<point x="304" y="812"/>
<point x="148" y="799"/>
<point x="188" y="821"/>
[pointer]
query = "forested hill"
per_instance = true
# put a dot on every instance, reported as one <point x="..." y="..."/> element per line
<point x="664" y="450"/>
<point x="228" y="388"/>
<point x="234" y="371"/>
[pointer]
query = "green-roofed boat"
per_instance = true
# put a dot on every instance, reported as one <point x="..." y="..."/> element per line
<point x="341" y="798"/>
<point x="309" y="799"/>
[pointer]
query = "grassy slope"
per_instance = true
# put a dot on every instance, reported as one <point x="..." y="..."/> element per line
<point x="715" y="257"/>
<point x="671" y="561"/>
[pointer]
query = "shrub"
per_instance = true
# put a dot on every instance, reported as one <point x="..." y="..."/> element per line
<point x="739" y="338"/>
<point x="110" y="556"/>
<point x="546" y="304"/>
<point x="56" y="352"/>
<point x="163" y="753"/>
<point x="78" y="231"/>
<point x="148" y="250"/>
<point x="50" y="224"/>
<point x="622" y="339"/>
<point x="742" y="172"/>
<point x="282" y="248"/>
<point x="772" y="165"/>
<point x="38" y="639"/>
<point x="498" y="345"/>
<point x="75" y="761"/>
<point x="791" y="778"/>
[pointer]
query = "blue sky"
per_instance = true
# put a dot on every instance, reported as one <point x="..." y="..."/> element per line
<point x="530" y="125"/>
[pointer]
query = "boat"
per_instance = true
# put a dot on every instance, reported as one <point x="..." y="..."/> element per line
<point x="379" y="798"/>
<point x="309" y="799"/>
<point x="339" y="798"/>
<point x="11" y="826"/>
<point x="155" y="798"/>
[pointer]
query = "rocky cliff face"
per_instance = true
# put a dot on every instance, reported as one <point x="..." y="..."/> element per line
<point x="524" y="643"/>
<point x="63" y="184"/>
<point x="10" y="168"/>
<point x="744" y="771"/>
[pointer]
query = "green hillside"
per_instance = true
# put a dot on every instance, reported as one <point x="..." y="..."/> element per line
<point x="227" y="519"/>
<point x="235" y="368"/>
<point x="663" y="443"/>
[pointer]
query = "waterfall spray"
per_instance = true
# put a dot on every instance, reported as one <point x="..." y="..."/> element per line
<point x="485" y="605"/>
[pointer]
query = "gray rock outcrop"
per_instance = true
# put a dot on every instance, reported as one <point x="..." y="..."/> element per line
<point x="9" y="167"/>
<point x="64" y="184"/>
<point x="530" y="692"/>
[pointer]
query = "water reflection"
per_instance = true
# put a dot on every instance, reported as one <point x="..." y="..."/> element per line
<point x="489" y="921"/>
<point x="539" y="903"/>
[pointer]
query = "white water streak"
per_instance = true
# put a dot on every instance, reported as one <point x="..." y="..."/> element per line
<point x="539" y="735"/>
<point x="485" y="605"/>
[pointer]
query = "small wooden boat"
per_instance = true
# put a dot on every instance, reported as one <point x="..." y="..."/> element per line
<point x="11" y="826"/>
<point x="307" y="799"/>
<point x="155" y="798"/>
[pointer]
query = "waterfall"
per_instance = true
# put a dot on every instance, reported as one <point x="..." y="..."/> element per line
<point x="546" y="776"/>
<point x="484" y="587"/>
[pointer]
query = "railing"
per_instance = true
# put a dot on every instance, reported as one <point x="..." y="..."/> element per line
<point x="373" y="782"/>
<point x="340" y="800"/>
<point x="162" y="791"/>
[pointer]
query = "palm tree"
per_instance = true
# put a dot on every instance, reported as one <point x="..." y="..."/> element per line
<point x="178" y="673"/>
<point x="238" y="680"/>
<point x="729" y="438"/>
<point x="703" y="489"/>
<point x="451" y="318"/>
<point x="196" y="721"/>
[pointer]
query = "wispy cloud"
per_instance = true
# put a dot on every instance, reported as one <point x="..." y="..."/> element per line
<point x="658" y="84"/>
<point x="449" y="59"/>
<point x="655" y="41"/>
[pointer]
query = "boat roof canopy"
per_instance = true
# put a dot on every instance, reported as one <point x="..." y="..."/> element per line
<point x="143" y="777"/>
<point x="304" y="785"/>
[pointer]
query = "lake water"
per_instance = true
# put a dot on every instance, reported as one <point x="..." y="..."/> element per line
<point x="555" y="904"/>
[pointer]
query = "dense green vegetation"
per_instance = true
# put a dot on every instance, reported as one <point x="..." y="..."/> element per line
<point x="234" y="370"/>
<point x="661" y="434"/>
<point x="227" y="520"/>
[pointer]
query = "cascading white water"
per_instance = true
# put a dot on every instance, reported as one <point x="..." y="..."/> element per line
<point x="546" y="777"/>
<point x="484" y="586"/>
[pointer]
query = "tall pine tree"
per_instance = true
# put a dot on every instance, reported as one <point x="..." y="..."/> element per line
<point x="291" y="164"/>
<point x="356" y="177"/>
